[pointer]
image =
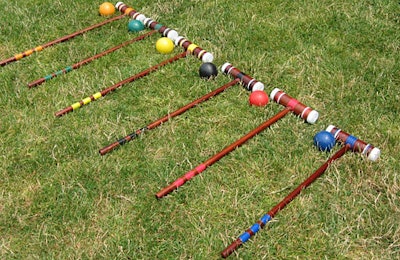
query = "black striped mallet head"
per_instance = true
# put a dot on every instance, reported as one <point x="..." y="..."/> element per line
<point x="248" y="82"/>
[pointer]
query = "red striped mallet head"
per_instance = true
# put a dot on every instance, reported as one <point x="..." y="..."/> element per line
<point x="248" y="82"/>
<point x="356" y="145"/>
<point x="308" y="114"/>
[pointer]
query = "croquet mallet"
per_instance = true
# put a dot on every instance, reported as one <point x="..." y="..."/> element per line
<point x="291" y="104"/>
<point x="350" y="143"/>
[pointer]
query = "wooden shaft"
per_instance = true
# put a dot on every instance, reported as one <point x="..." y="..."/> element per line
<point x="308" y="181"/>
<point x="164" y="119"/>
<point x="267" y="217"/>
<point x="119" y="84"/>
<point x="143" y="73"/>
<point x="200" y="168"/>
<point x="87" y="60"/>
<point x="56" y="41"/>
<point x="247" y="137"/>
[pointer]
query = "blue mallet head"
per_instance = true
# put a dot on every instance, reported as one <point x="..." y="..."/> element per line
<point x="324" y="141"/>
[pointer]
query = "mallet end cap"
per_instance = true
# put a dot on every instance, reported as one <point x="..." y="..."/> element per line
<point x="273" y="93"/>
<point x="223" y="67"/>
<point x="258" y="86"/>
<point x="207" y="57"/>
<point x="374" y="154"/>
<point x="312" y="117"/>
<point x="329" y="128"/>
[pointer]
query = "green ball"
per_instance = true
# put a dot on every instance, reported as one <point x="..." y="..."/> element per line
<point x="135" y="26"/>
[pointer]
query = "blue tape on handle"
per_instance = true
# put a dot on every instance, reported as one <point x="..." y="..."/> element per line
<point x="255" y="228"/>
<point x="244" y="237"/>
<point x="264" y="219"/>
<point x="68" y="69"/>
<point x="48" y="77"/>
<point x="351" y="140"/>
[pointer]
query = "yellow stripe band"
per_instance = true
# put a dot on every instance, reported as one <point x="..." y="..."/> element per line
<point x="27" y="53"/>
<point x="97" y="95"/>
<point x="191" y="47"/>
<point x="38" y="48"/>
<point x="19" y="56"/>
<point x="86" y="100"/>
<point x="128" y="10"/>
<point x="76" y="105"/>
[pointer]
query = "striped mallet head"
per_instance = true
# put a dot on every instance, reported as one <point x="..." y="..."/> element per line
<point x="148" y="22"/>
<point x="248" y="82"/>
<point x="356" y="145"/>
<point x="166" y="32"/>
<point x="129" y="11"/>
<point x="194" y="49"/>
<point x="308" y="114"/>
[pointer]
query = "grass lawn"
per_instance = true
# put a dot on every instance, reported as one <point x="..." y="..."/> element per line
<point x="60" y="199"/>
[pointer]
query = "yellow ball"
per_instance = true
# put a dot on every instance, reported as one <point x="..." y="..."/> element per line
<point x="106" y="9"/>
<point x="164" y="45"/>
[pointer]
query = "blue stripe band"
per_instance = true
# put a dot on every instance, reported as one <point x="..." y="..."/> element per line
<point x="244" y="237"/>
<point x="351" y="140"/>
<point x="255" y="228"/>
<point x="265" y="219"/>
<point x="158" y="26"/>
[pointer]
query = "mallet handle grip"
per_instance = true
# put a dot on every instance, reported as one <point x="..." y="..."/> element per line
<point x="63" y="111"/>
<point x="181" y="180"/>
<point x="165" y="191"/>
<point x="305" y="112"/>
<point x="109" y="148"/>
<point x="355" y="143"/>
<point x="36" y="82"/>
<point x="231" y="248"/>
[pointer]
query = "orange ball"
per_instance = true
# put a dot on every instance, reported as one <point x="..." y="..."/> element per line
<point x="106" y="9"/>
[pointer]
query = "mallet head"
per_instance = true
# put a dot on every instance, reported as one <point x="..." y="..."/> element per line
<point x="356" y="144"/>
<point x="248" y="82"/>
<point x="305" y="112"/>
